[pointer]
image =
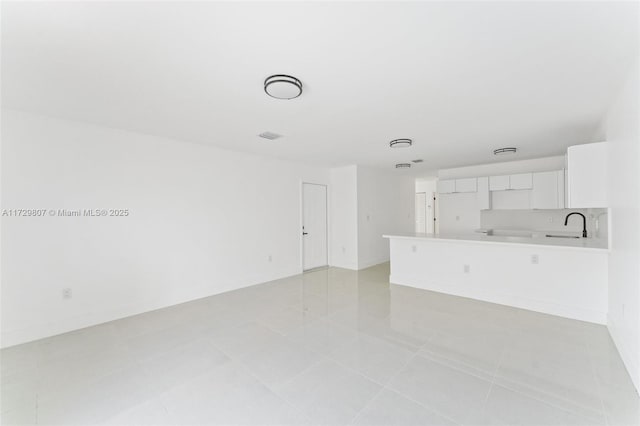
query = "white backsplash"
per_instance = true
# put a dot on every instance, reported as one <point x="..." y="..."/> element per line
<point x="546" y="220"/>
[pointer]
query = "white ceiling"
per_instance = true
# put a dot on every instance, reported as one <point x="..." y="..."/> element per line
<point x="459" y="78"/>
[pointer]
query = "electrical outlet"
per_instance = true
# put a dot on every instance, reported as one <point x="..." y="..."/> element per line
<point x="67" y="293"/>
<point x="414" y="249"/>
<point x="457" y="217"/>
<point x="550" y="219"/>
<point x="467" y="269"/>
<point x="534" y="259"/>
<point x="270" y="258"/>
<point x="344" y="249"/>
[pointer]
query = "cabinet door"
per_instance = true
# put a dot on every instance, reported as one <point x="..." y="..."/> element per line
<point x="545" y="190"/>
<point x="466" y="185"/>
<point x="447" y="186"/>
<point x="521" y="181"/>
<point x="498" y="183"/>
<point x="483" y="194"/>
<point x="562" y="188"/>
<point x="587" y="175"/>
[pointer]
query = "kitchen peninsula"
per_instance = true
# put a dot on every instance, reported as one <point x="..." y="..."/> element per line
<point x="559" y="276"/>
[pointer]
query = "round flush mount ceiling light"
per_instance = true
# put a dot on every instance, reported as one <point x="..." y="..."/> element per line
<point x="282" y="86"/>
<point x="504" y="151"/>
<point x="403" y="165"/>
<point x="400" y="143"/>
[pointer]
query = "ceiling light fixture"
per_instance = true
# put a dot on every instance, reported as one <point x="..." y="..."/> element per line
<point x="403" y="165"/>
<point x="269" y="135"/>
<point x="504" y="151"/>
<point x="400" y="143"/>
<point x="281" y="86"/>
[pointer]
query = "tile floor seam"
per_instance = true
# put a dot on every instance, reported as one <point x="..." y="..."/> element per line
<point x="493" y="380"/>
<point x="600" y="386"/>
<point x="427" y="407"/>
<point x="512" y="385"/>
<point x="382" y="388"/>
<point x="547" y="403"/>
<point x="564" y="396"/>
<point x="270" y="387"/>
<point x="454" y="367"/>
<point x="290" y="379"/>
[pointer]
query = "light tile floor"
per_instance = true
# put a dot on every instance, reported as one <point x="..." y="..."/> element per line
<point x="330" y="347"/>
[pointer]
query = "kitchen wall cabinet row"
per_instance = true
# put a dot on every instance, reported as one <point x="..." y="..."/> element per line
<point x="545" y="190"/>
<point x="582" y="184"/>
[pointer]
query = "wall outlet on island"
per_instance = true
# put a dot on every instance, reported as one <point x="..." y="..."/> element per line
<point x="467" y="269"/>
<point x="534" y="259"/>
<point x="67" y="293"/>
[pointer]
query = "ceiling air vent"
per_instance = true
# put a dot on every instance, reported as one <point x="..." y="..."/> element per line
<point x="417" y="161"/>
<point x="269" y="135"/>
<point x="403" y="165"/>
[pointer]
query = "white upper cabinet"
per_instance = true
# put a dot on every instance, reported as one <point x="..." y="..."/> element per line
<point x="466" y="185"/>
<point x="548" y="190"/>
<point x="483" y="194"/>
<point x="587" y="175"/>
<point x="521" y="181"/>
<point x="446" y="186"/>
<point x="498" y="183"/>
<point x="452" y="186"/>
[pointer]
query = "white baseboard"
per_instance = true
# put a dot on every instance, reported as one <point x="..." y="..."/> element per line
<point x="545" y="307"/>
<point x="372" y="262"/>
<point x="40" y="331"/>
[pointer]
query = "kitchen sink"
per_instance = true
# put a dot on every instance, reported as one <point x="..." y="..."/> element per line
<point x="510" y="233"/>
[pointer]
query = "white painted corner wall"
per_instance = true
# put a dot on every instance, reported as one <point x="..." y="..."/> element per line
<point x="623" y="138"/>
<point x="343" y="204"/>
<point x="365" y="204"/>
<point x="386" y="204"/>
<point x="202" y="221"/>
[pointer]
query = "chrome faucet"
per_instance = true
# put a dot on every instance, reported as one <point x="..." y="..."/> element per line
<point x="584" y="223"/>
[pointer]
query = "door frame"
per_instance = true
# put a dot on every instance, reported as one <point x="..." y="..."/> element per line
<point x="426" y="225"/>
<point x="301" y="224"/>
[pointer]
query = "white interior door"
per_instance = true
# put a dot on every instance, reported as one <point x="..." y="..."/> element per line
<point x="421" y="212"/>
<point x="314" y="226"/>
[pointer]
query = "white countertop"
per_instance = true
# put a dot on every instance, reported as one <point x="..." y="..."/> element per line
<point x="595" y="244"/>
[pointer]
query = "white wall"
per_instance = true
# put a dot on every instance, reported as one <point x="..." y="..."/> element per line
<point x="427" y="186"/>
<point x="385" y="205"/>
<point x="202" y="221"/>
<point x="458" y="213"/>
<point x="344" y="217"/>
<point x="622" y="135"/>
